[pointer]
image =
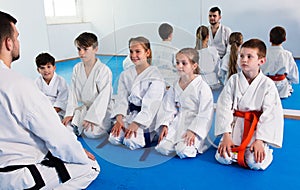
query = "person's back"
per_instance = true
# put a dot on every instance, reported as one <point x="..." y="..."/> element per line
<point x="51" y="84"/>
<point x="280" y="65"/>
<point x="208" y="58"/>
<point x="164" y="54"/>
<point x="36" y="150"/>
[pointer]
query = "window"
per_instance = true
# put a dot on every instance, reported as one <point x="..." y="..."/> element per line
<point x="62" y="11"/>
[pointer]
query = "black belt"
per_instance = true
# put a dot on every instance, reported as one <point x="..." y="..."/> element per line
<point x="49" y="161"/>
<point x="59" y="166"/>
<point x="39" y="182"/>
<point x="133" y="107"/>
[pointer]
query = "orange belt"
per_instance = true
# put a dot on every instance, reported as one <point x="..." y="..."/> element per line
<point x="250" y="123"/>
<point x="277" y="77"/>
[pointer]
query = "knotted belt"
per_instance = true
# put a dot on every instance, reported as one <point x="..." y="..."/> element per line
<point x="277" y="77"/>
<point x="250" y="122"/>
<point x="133" y="107"/>
<point x="49" y="161"/>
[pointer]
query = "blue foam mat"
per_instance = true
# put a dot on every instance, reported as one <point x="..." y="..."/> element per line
<point x="203" y="172"/>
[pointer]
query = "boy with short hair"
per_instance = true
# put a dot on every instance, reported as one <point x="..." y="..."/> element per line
<point x="52" y="85"/>
<point x="249" y="113"/>
<point x="280" y="65"/>
<point x="164" y="54"/>
<point x="89" y="102"/>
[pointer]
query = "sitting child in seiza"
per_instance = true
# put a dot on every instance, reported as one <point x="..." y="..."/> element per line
<point x="140" y="93"/>
<point x="185" y="116"/>
<point x="89" y="102"/>
<point x="249" y="114"/>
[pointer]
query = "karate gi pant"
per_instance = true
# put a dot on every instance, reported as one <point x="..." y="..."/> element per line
<point x="174" y="143"/>
<point x="249" y="159"/>
<point x="284" y="88"/>
<point x="132" y="143"/>
<point x="98" y="130"/>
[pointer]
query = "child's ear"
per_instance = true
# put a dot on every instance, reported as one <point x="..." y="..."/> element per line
<point x="262" y="61"/>
<point x="195" y="66"/>
<point x="148" y="53"/>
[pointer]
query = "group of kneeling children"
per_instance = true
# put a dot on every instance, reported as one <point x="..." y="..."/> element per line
<point x="249" y="114"/>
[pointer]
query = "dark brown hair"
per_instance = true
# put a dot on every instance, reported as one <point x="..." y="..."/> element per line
<point x="6" y="29"/>
<point x="43" y="59"/>
<point x="277" y="35"/>
<point x="86" y="39"/>
<point x="256" y="44"/>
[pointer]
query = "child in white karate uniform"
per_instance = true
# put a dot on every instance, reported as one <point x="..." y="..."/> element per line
<point x="209" y="59"/>
<point x="164" y="54"/>
<point x="280" y="65"/>
<point x="140" y="92"/>
<point x="52" y="85"/>
<point x="229" y="63"/>
<point x="185" y="116"/>
<point x="89" y="103"/>
<point x="249" y="114"/>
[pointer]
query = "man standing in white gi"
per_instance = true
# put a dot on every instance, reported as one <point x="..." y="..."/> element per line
<point x="218" y="33"/>
<point x="36" y="150"/>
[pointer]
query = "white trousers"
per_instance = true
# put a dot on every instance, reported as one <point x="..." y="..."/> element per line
<point x="98" y="130"/>
<point x="249" y="159"/>
<point x="132" y="143"/>
<point x="81" y="176"/>
<point x="167" y="147"/>
<point x="96" y="133"/>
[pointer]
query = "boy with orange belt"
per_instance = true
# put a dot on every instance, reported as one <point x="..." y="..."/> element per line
<point x="249" y="113"/>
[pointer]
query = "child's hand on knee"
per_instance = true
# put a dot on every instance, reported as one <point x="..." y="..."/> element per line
<point x="258" y="149"/>
<point x="225" y="145"/>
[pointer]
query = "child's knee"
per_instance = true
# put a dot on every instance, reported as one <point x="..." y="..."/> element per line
<point x="115" y="140"/>
<point x="96" y="133"/>
<point x="165" y="147"/>
<point x="184" y="151"/>
<point x="249" y="156"/>
<point x="226" y="161"/>
<point x="133" y="143"/>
